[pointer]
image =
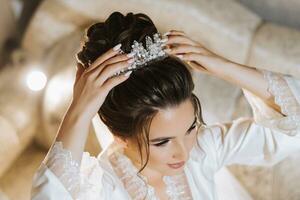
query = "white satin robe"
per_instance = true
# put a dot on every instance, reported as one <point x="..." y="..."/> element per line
<point x="264" y="139"/>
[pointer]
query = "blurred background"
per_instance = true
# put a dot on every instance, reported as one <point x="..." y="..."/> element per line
<point x="38" y="43"/>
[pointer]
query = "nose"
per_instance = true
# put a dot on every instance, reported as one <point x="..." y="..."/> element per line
<point x="180" y="153"/>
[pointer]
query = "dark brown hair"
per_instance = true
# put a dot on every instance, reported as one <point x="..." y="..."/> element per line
<point x="130" y="106"/>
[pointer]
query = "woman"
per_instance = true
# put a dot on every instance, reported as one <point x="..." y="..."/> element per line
<point x="162" y="149"/>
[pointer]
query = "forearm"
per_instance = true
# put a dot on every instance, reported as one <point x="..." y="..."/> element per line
<point x="73" y="132"/>
<point x="250" y="79"/>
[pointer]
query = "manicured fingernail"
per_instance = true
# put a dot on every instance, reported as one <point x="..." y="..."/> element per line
<point x="130" y="61"/>
<point x="117" y="47"/>
<point x="127" y="73"/>
<point x="167" y="33"/>
<point x="179" y="56"/>
<point x="130" y="55"/>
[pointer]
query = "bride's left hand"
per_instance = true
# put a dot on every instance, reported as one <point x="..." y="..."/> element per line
<point x="196" y="55"/>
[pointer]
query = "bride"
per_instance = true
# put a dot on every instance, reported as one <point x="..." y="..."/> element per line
<point x="140" y="85"/>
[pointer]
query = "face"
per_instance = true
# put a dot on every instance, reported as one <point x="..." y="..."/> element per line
<point x="172" y="136"/>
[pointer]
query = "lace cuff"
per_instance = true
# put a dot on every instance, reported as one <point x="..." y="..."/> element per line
<point x="60" y="162"/>
<point x="82" y="182"/>
<point x="283" y="96"/>
<point x="286" y="99"/>
<point x="286" y="121"/>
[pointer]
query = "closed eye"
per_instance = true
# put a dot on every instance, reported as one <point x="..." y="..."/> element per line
<point x="163" y="143"/>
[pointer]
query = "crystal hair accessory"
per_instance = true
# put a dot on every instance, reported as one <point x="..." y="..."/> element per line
<point x="154" y="51"/>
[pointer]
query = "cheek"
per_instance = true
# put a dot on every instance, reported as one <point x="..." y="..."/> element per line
<point x="164" y="154"/>
<point x="159" y="155"/>
<point x="191" y="141"/>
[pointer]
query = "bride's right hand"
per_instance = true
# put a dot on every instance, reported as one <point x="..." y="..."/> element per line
<point x="93" y="84"/>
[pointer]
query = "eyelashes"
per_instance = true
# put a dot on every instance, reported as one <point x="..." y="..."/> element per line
<point x="163" y="143"/>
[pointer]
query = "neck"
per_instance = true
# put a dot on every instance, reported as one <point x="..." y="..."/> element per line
<point x="152" y="175"/>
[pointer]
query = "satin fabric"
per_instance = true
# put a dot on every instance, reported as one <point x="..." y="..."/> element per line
<point x="257" y="140"/>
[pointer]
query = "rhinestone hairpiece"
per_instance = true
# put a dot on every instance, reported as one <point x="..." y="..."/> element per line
<point x="154" y="51"/>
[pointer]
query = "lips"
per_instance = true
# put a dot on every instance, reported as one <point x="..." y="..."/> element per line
<point x="176" y="165"/>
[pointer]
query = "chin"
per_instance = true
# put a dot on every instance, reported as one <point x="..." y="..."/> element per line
<point x="173" y="172"/>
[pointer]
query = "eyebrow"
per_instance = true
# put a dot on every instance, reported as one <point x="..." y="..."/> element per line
<point x="168" y="138"/>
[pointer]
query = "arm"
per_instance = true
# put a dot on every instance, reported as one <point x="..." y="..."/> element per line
<point x="273" y="132"/>
<point x="59" y="175"/>
<point x="63" y="162"/>
<point x="248" y="78"/>
<point x="265" y="139"/>
<point x="201" y="59"/>
<point x="73" y="132"/>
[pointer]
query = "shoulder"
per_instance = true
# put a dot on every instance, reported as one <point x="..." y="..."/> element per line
<point x="207" y="135"/>
<point x="212" y="137"/>
<point x="204" y="148"/>
<point x="219" y="130"/>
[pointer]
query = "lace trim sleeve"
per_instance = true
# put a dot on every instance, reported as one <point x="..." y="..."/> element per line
<point x="60" y="162"/>
<point x="286" y="99"/>
<point x="85" y="181"/>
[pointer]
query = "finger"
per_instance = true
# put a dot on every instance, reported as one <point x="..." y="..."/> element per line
<point x="112" y="60"/>
<point x="112" y="82"/>
<point x="109" y="54"/>
<point x="178" y="39"/>
<point x="196" y="66"/>
<point x="190" y="56"/>
<point x="80" y="70"/>
<point x="175" y="32"/>
<point x="185" y="48"/>
<point x="118" y="58"/>
<point x="111" y="69"/>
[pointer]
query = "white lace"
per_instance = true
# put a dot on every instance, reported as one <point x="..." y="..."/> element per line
<point x="81" y="184"/>
<point x="284" y="97"/>
<point x="137" y="185"/>
<point x="61" y="163"/>
<point x="175" y="187"/>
